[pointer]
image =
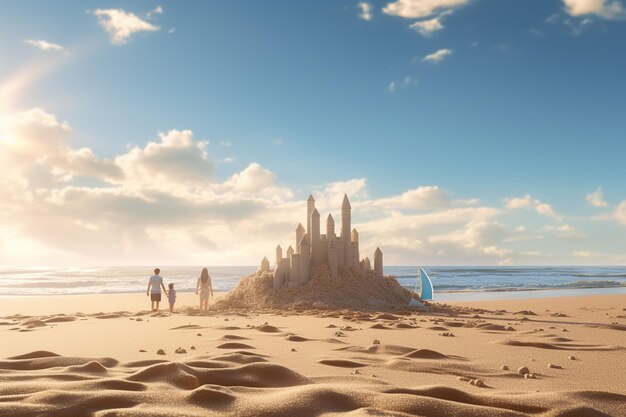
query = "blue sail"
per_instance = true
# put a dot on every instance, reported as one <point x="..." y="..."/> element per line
<point x="426" y="286"/>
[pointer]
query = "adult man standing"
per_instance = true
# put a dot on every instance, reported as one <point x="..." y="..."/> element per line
<point x="154" y="289"/>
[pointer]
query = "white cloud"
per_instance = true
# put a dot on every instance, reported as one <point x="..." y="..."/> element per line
<point x="481" y="236"/>
<point x="599" y="258"/>
<point x="39" y="153"/>
<point x="608" y="9"/>
<point x="122" y="25"/>
<point x="566" y="228"/>
<point x="44" y="45"/>
<point x="416" y="9"/>
<point x="531" y="203"/>
<point x="437" y="56"/>
<point x="365" y="11"/>
<point x="566" y="232"/>
<point x="596" y="198"/>
<point x="431" y="197"/>
<point x="519" y="202"/>
<point x="545" y="209"/>
<point x="160" y="200"/>
<point x="620" y="213"/>
<point x="428" y="27"/>
<point x="253" y="178"/>
<point x="156" y="10"/>
<point x="401" y="84"/>
<point x="176" y="162"/>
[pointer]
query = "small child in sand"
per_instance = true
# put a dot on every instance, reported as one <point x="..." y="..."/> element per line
<point x="171" y="296"/>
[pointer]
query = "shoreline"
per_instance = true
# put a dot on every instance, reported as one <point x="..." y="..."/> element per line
<point x="443" y="296"/>
<point x="137" y="302"/>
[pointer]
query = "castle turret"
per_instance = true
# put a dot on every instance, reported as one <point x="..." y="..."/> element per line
<point x="330" y="227"/>
<point x="305" y="261"/>
<point x="355" y="250"/>
<point x="265" y="264"/>
<point x="332" y="258"/>
<point x="299" y="233"/>
<point x="310" y="206"/>
<point x="367" y="265"/>
<point x="314" y="238"/>
<point x="346" y="224"/>
<point x="294" y="276"/>
<point x="378" y="262"/>
<point x="290" y="252"/>
<point x="279" y="254"/>
<point x="315" y="226"/>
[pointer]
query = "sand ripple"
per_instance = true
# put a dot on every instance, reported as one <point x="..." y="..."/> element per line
<point x="211" y="386"/>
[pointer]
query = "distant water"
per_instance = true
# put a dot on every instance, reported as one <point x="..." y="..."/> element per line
<point x="450" y="282"/>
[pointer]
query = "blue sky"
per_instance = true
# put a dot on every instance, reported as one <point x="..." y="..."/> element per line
<point x="493" y="105"/>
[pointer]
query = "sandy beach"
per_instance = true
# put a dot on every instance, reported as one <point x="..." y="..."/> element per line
<point x="106" y="355"/>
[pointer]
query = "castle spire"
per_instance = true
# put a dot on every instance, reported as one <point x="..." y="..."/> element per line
<point x="346" y="203"/>
<point x="315" y="238"/>
<point x="310" y="206"/>
<point x="305" y="260"/>
<point x="279" y="255"/>
<point x="265" y="264"/>
<point x="346" y="225"/>
<point x="378" y="262"/>
<point x="330" y="227"/>
<point x="299" y="233"/>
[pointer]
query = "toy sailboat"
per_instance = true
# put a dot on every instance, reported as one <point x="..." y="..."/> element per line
<point x="426" y="289"/>
<point x="426" y="285"/>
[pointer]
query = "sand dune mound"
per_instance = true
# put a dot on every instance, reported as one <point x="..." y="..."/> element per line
<point x="36" y="354"/>
<point x="234" y="345"/>
<point x="233" y="337"/>
<point x="349" y="290"/>
<point x="559" y="345"/>
<point x="379" y="349"/>
<point x="342" y="363"/>
<point x="426" y="354"/>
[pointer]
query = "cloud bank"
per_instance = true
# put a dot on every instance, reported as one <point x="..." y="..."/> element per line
<point x="168" y="201"/>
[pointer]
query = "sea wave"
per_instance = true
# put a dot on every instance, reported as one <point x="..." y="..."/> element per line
<point x="119" y="279"/>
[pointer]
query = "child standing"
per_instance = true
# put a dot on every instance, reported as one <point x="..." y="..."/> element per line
<point x="171" y="296"/>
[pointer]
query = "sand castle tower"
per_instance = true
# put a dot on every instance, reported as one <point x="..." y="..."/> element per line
<point x="346" y="224"/>
<point x="313" y="249"/>
<point x="299" y="234"/>
<point x="279" y="254"/>
<point x="265" y="265"/>
<point x="330" y="227"/>
<point x="378" y="262"/>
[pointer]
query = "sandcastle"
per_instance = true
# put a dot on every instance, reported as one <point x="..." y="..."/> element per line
<point x="340" y="254"/>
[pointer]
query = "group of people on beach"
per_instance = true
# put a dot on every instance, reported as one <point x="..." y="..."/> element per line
<point x="204" y="287"/>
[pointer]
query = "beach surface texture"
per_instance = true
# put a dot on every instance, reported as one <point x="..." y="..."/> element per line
<point x="106" y="355"/>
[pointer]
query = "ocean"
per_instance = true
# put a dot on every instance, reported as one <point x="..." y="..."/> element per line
<point x="450" y="283"/>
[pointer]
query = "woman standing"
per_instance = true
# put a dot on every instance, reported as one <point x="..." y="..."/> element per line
<point x="205" y="287"/>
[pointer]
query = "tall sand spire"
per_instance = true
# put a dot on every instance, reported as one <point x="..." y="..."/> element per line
<point x="310" y="206"/>
<point x="346" y="225"/>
